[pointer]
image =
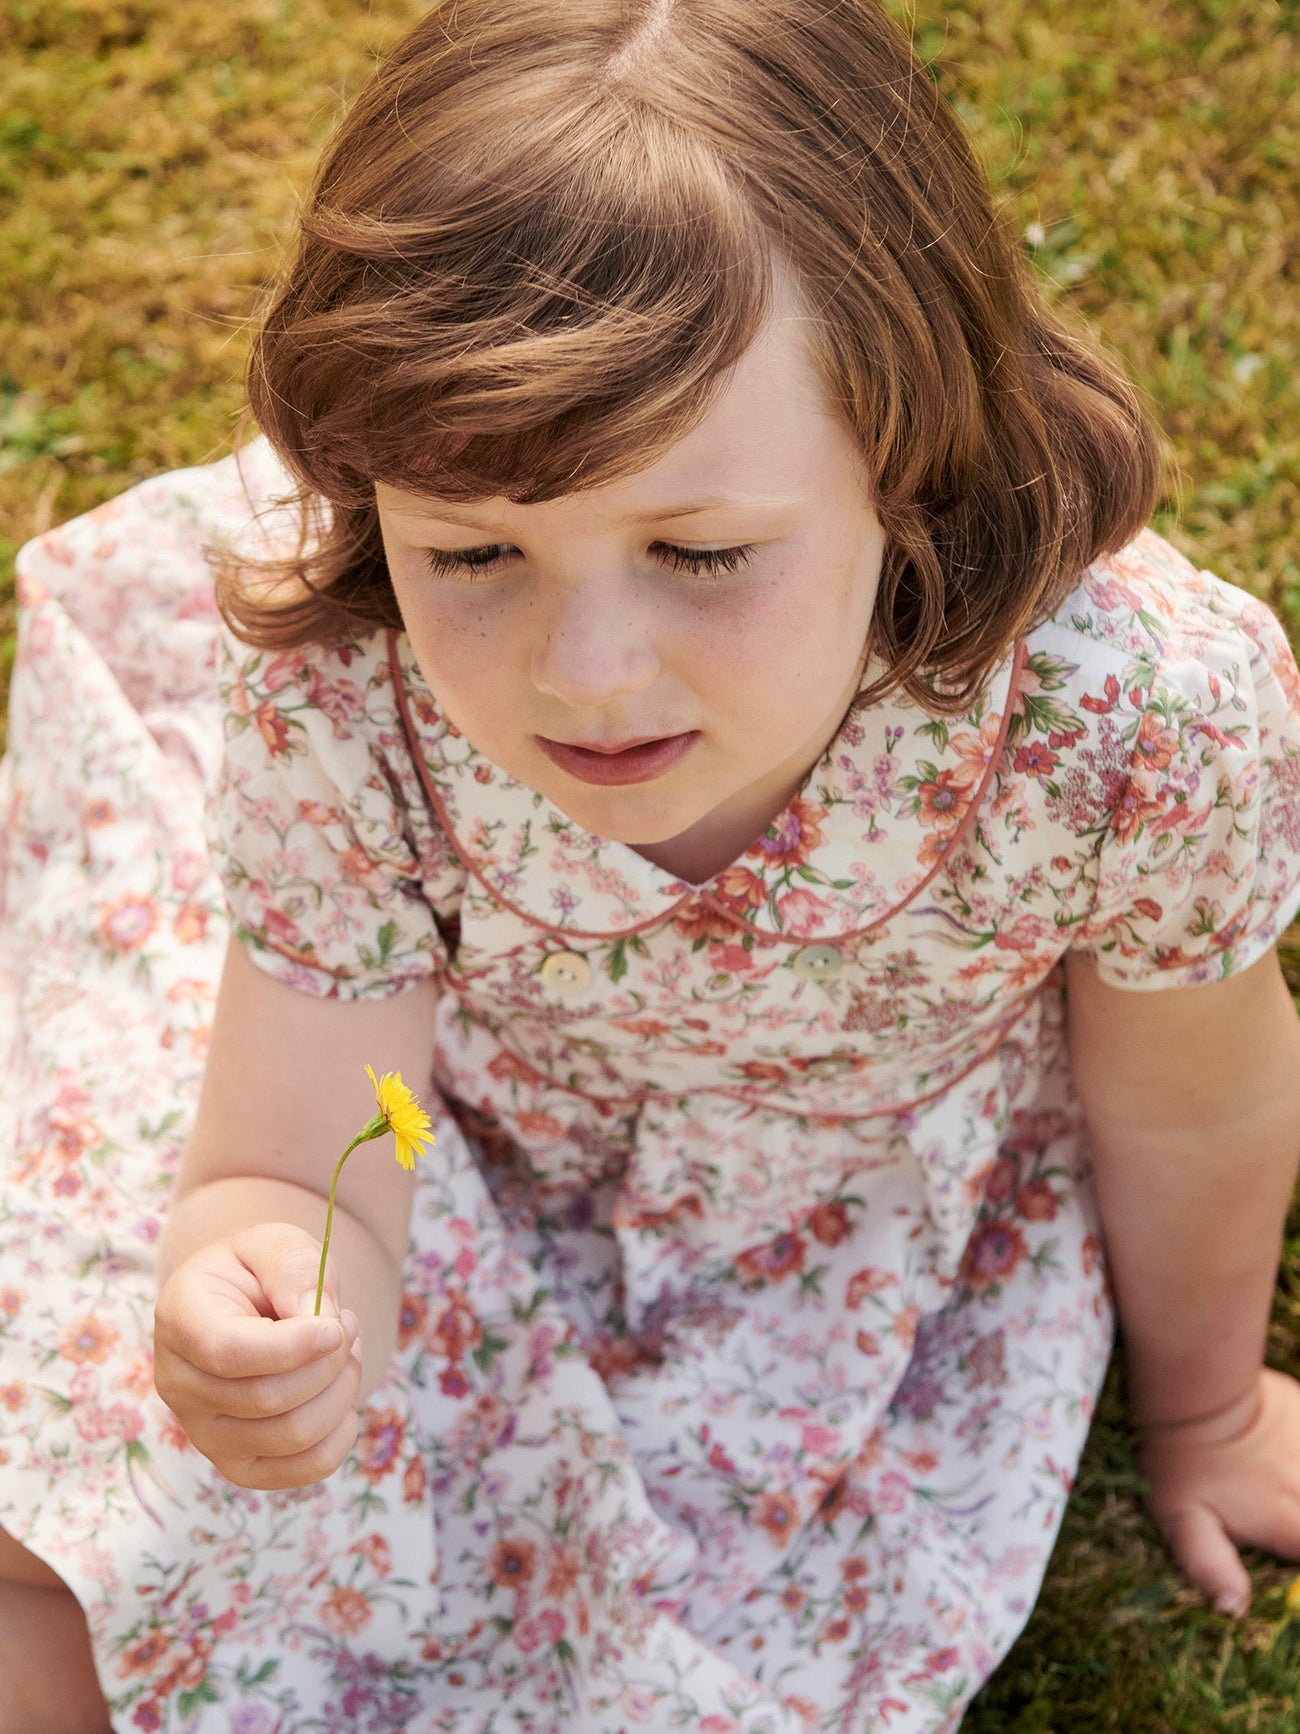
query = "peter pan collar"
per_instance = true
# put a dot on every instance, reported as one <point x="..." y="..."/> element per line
<point x="877" y="816"/>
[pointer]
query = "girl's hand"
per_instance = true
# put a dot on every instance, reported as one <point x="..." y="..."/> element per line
<point x="1232" y="1479"/>
<point x="262" y="1388"/>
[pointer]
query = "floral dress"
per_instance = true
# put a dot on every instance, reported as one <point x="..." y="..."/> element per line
<point x="755" y="1306"/>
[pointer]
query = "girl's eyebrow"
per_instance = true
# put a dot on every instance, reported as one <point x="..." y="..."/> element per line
<point x="451" y="515"/>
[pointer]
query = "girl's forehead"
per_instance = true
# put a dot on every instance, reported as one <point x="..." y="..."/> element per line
<point x="764" y="440"/>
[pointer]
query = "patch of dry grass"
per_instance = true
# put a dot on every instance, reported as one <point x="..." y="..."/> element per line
<point x="150" y="155"/>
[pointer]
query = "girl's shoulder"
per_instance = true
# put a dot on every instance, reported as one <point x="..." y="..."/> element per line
<point x="1145" y="627"/>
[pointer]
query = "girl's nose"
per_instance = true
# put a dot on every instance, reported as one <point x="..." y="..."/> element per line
<point x="593" y="649"/>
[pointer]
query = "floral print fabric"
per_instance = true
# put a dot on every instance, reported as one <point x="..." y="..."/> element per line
<point x="755" y="1304"/>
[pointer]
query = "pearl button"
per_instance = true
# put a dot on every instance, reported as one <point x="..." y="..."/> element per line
<point x="566" y="973"/>
<point x="830" y="1066"/>
<point x="816" y="962"/>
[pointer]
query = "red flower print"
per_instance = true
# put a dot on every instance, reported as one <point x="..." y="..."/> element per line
<point x="414" y="1482"/>
<point x="339" y="700"/>
<point x="1001" y="1182"/>
<point x="126" y="924"/>
<point x="1156" y="744"/>
<point x="1099" y="706"/>
<point x="90" y="1340"/>
<point x="345" y="1611"/>
<point x="943" y="800"/>
<point x="778" y="1514"/>
<point x="148" y="1715"/>
<point x="763" y="1072"/>
<point x="791" y="837"/>
<point x="272" y="727"/>
<point x="992" y="1254"/>
<point x="1092" y="1253"/>
<point x="453" y="1382"/>
<point x="773" y="1262"/>
<point x="975" y="752"/>
<point x="283" y="933"/>
<point x="793" y="1597"/>
<point x="1036" y="760"/>
<point x="802" y="912"/>
<point x="411" y="1318"/>
<point x="190" y="923"/>
<point x="1138" y="805"/>
<point x="1036" y="1202"/>
<point x="866" y="1282"/>
<point x="562" y="1567"/>
<point x="512" y="1562"/>
<point x="697" y="919"/>
<point x="738" y="885"/>
<point x="829" y="1223"/>
<point x="379" y="1443"/>
<point x="144" y="1654"/>
<point x="456" y="1330"/>
<point x="539" y="1127"/>
<point x="376" y="1551"/>
<point x="504" y="1066"/>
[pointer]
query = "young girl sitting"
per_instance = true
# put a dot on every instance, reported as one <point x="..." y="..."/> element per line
<point x="698" y="699"/>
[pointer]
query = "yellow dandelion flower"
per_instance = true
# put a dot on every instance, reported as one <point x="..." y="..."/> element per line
<point x="404" y="1116"/>
<point x="1293" y="1597"/>
<point x="400" y="1114"/>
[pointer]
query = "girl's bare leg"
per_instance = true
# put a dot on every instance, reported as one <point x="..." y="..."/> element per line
<point x="48" y="1683"/>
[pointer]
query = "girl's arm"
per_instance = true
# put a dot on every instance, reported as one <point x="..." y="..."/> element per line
<point x="1192" y="1097"/>
<point x="238" y="1355"/>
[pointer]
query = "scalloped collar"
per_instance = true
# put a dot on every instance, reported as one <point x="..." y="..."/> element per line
<point x="874" y="821"/>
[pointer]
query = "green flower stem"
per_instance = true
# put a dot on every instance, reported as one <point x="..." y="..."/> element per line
<point x="376" y="1129"/>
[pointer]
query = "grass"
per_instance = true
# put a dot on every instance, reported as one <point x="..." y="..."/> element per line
<point x="150" y="156"/>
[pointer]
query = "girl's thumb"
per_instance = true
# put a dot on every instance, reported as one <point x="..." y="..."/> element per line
<point x="291" y="1277"/>
<point x="1201" y="1546"/>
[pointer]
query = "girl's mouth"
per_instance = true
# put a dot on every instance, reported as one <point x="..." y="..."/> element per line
<point x="635" y="762"/>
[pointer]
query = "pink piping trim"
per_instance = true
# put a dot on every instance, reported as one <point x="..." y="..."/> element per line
<point x="436" y="802"/>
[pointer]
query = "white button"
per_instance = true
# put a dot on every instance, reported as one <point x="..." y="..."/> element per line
<point x="830" y="1066"/>
<point x="816" y="962"/>
<point x="567" y="973"/>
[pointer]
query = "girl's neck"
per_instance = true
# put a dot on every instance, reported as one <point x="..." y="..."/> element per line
<point x="714" y="842"/>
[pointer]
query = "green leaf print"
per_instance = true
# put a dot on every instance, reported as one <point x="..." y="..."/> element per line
<point x="616" y="961"/>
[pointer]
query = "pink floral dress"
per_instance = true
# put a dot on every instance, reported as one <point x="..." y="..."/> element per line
<point x="755" y="1306"/>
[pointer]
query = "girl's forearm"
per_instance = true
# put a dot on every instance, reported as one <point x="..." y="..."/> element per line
<point x="1193" y="1225"/>
<point x="368" y="1281"/>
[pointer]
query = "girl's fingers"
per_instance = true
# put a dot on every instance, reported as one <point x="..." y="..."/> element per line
<point x="239" y="1344"/>
<point x="289" y="1435"/>
<point x="1198" y="1542"/>
<point x="188" y="1388"/>
<point x="305" y="1467"/>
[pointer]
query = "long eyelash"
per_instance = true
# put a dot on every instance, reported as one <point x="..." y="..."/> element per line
<point x="711" y="560"/>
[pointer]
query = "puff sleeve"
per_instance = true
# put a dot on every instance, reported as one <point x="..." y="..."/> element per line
<point x="328" y="870"/>
<point x="1199" y="870"/>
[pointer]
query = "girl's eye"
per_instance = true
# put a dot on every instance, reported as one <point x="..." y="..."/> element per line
<point x="710" y="560"/>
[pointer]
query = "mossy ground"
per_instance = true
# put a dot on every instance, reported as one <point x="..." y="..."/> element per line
<point x="150" y="157"/>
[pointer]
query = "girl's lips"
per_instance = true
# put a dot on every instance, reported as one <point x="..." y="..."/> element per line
<point x="641" y="763"/>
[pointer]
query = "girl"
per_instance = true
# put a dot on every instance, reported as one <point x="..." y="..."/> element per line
<point x="722" y="731"/>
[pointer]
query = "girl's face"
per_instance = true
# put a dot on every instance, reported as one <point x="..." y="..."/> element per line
<point x="585" y="646"/>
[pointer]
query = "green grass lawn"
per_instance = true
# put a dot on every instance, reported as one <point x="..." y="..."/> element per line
<point x="150" y="156"/>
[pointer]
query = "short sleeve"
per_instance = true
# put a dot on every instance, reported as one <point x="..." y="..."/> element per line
<point x="1199" y="870"/>
<point x="323" y="870"/>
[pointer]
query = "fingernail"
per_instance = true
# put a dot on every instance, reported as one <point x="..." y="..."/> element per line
<point x="329" y="1307"/>
<point x="1230" y="1606"/>
<point x="329" y="1334"/>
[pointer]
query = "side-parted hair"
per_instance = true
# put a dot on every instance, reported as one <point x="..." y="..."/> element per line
<point x="546" y="228"/>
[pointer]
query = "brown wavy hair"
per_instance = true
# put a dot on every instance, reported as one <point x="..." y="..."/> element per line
<point x="545" y="229"/>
